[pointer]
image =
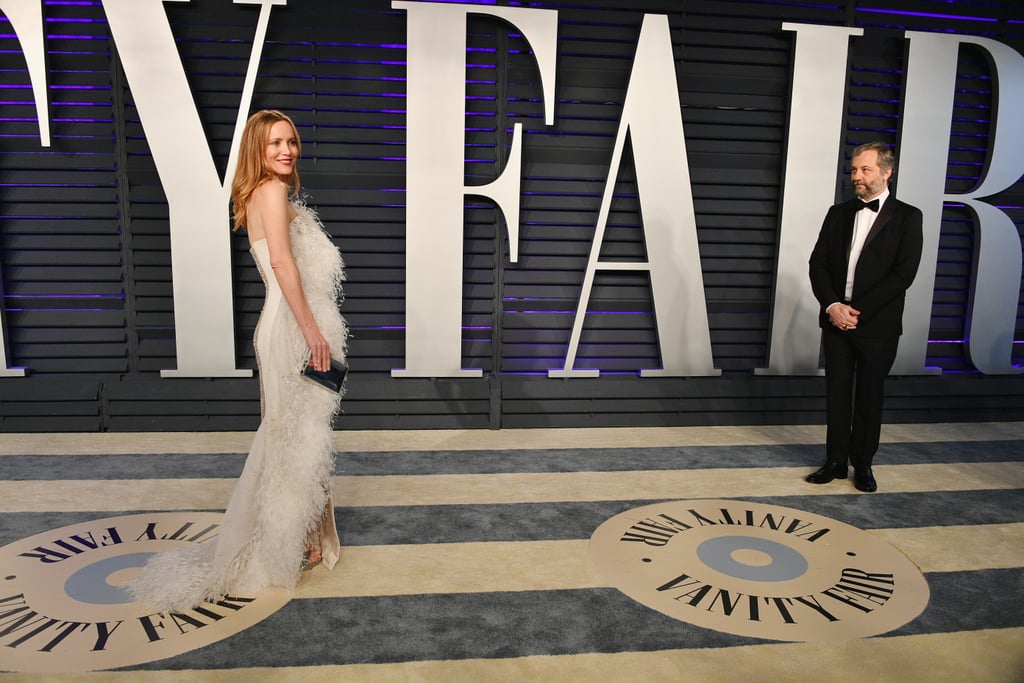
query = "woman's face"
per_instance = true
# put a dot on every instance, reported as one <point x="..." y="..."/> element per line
<point x="282" y="149"/>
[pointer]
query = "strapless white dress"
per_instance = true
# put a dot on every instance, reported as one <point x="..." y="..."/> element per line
<point x="282" y="500"/>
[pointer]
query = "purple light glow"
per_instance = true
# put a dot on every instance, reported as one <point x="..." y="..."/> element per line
<point x="402" y="327"/>
<point x="908" y="13"/>
<point x="48" y="185"/>
<point x="70" y="20"/>
<point x="80" y="310"/>
<point x="574" y="313"/>
<point x="56" y="103"/>
<point x="541" y="312"/>
<point x="63" y="296"/>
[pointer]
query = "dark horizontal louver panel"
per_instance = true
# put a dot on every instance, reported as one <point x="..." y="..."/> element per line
<point x="84" y="237"/>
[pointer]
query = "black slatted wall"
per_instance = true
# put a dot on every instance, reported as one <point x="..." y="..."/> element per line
<point x="84" y="242"/>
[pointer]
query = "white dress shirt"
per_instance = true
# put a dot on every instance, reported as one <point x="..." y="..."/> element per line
<point x="862" y="222"/>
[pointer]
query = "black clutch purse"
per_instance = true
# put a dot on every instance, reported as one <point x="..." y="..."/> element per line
<point x="332" y="379"/>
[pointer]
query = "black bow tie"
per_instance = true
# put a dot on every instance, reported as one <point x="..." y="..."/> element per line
<point x="873" y="205"/>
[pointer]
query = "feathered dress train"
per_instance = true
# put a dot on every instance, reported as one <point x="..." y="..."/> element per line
<point x="282" y="499"/>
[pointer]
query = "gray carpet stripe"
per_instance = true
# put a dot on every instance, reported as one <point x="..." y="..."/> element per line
<point x="229" y="465"/>
<point x="93" y="467"/>
<point x="463" y="626"/>
<point x="500" y="625"/>
<point x="650" y="458"/>
<point x="567" y="521"/>
<point x="410" y="525"/>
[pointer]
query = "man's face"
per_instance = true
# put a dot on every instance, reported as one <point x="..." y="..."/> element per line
<point x="867" y="178"/>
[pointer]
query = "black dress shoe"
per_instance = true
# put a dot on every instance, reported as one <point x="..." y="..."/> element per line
<point x="865" y="481"/>
<point x="827" y="473"/>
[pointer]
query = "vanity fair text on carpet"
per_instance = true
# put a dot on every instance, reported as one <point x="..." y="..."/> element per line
<point x="64" y="606"/>
<point x="757" y="569"/>
<point x="856" y="588"/>
<point x="651" y="118"/>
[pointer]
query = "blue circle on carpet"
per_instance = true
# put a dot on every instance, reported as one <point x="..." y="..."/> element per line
<point x="89" y="584"/>
<point x="786" y="565"/>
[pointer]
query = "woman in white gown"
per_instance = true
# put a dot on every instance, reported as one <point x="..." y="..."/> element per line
<point x="280" y="518"/>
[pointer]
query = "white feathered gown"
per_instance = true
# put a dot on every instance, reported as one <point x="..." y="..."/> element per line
<point x="283" y="495"/>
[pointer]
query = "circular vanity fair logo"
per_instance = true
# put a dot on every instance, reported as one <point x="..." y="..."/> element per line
<point x="759" y="570"/>
<point x="64" y="606"/>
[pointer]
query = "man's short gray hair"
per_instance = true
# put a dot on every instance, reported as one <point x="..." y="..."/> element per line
<point x="886" y="159"/>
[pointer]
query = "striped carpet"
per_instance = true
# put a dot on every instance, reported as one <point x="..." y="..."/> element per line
<point x="465" y="553"/>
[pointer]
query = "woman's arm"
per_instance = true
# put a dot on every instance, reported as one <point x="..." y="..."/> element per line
<point x="271" y="202"/>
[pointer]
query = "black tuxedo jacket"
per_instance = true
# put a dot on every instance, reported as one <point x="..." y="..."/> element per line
<point x="885" y="269"/>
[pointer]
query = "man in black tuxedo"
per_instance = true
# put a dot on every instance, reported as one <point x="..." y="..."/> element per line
<point x="865" y="258"/>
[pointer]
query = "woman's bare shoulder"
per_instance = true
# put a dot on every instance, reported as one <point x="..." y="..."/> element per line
<point x="272" y="190"/>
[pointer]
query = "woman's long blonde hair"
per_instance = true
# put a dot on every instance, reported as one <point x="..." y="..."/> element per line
<point x="252" y="170"/>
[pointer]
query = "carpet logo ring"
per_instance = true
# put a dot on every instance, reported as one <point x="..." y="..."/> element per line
<point x="759" y="570"/>
<point x="64" y="606"/>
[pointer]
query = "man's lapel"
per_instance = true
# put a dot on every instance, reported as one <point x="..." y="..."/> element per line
<point x="849" y="218"/>
<point x="884" y="216"/>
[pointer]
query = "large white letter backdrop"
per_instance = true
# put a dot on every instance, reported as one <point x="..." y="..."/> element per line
<point x="650" y="121"/>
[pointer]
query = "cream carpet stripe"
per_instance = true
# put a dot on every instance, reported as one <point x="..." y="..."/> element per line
<point x="934" y="657"/>
<point x="658" y="484"/>
<point x="960" y="548"/>
<point x="558" y="565"/>
<point x="483" y="439"/>
<point x="456" y="489"/>
<point x="436" y="568"/>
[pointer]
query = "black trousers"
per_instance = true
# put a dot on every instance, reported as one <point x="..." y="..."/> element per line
<point x="855" y="372"/>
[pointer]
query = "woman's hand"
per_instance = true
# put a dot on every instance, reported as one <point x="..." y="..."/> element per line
<point x="319" y="349"/>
